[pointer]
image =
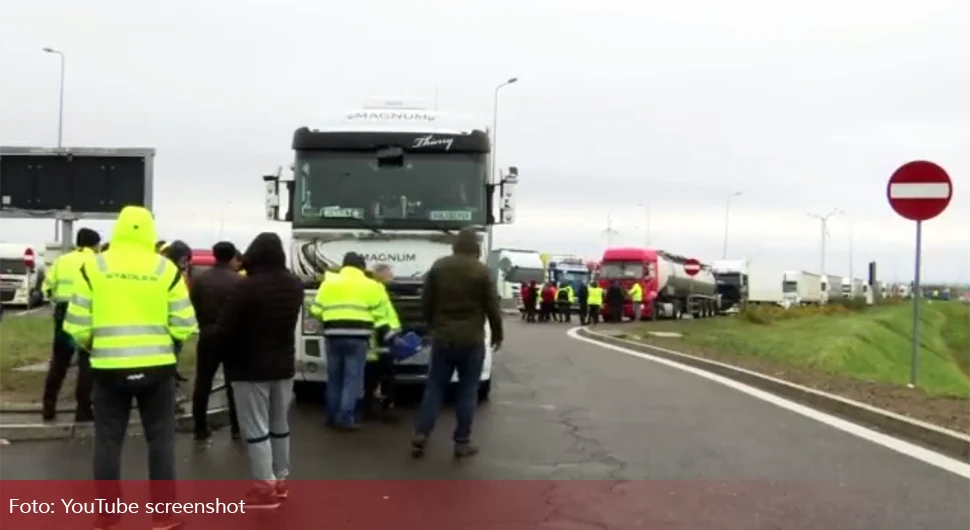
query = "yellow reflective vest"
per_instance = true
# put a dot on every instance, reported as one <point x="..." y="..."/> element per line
<point x="570" y="296"/>
<point x="636" y="293"/>
<point x="63" y="274"/>
<point x="350" y="304"/>
<point x="130" y="303"/>
<point x="594" y="296"/>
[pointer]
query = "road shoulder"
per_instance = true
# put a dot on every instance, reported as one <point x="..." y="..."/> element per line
<point x="948" y="442"/>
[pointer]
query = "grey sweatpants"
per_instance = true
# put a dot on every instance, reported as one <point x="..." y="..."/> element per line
<point x="263" y="408"/>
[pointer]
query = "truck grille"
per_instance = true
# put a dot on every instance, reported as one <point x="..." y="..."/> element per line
<point x="406" y="298"/>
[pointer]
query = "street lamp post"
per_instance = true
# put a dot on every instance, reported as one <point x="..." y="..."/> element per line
<point x="63" y="227"/>
<point x="824" y="220"/>
<point x="60" y="107"/>
<point x="494" y="169"/>
<point x="851" y="250"/>
<point x="609" y="232"/>
<point x="727" y="220"/>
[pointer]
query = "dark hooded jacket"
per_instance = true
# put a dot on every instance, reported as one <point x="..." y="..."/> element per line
<point x="257" y="325"/>
<point x="459" y="296"/>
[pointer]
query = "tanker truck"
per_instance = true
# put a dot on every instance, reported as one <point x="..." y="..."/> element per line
<point x="668" y="291"/>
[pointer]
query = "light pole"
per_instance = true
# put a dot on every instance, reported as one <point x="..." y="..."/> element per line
<point x="610" y="231"/>
<point x="851" y="250"/>
<point x="494" y="169"/>
<point x="60" y="108"/>
<point x="646" y="208"/>
<point x="824" y="219"/>
<point x="727" y="220"/>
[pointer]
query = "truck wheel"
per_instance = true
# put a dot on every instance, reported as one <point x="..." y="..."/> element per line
<point x="484" y="391"/>
<point x="305" y="392"/>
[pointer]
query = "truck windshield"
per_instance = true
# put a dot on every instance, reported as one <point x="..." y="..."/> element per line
<point x="576" y="277"/>
<point x="339" y="189"/>
<point x="728" y="278"/>
<point x="614" y="270"/>
<point x="789" y="287"/>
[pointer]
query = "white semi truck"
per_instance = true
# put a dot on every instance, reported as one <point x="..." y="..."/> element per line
<point x="393" y="181"/>
<point x="765" y="285"/>
<point x="510" y="268"/>
<point x="802" y="287"/>
<point x="831" y="287"/>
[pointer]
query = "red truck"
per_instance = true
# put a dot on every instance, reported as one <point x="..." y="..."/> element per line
<point x="668" y="291"/>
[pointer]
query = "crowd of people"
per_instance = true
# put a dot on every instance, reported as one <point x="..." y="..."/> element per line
<point x="554" y="302"/>
<point x="126" y="310"/>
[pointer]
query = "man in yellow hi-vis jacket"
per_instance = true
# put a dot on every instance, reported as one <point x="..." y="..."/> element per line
<point x="59" y="284"/>
<point x="350" y="305"/>
<point x="127" y="310"/>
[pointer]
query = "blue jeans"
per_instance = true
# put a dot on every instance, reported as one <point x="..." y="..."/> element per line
<point x="345" y="376"/>
<point x="446" y="359"/>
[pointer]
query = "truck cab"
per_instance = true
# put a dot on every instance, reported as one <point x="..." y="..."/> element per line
<point x="392" y="181"/>
<point x="566" y="269"/>
<point x="21" y="275"/>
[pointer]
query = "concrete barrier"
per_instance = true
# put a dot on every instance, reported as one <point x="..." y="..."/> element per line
<point x="26" y="429"/>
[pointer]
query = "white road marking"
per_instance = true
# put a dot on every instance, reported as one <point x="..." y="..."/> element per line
<point x="524" y="405"/>
<point x="900" y="446"/>
<point x="919" y="190"/>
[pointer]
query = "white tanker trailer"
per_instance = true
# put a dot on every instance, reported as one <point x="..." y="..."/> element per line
<point x="669" y="291"/>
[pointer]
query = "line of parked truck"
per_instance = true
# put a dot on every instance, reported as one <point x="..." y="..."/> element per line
<point x="670" y="292"/>
<point x="742" y="281"/>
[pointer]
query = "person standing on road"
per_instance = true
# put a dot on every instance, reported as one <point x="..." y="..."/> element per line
<point x="636" y="298"/>
<point x="546" y="309"/>
<point x="594" y="301"/>
<point x="457" y="298"/>
<point x="255" y="331"/>
<point x="59" y="284"/>
<point x="209" y="293"/>
<point x="180" y="254"/>
<point x="351" y="307"/>
<point x="564" y="302"/>
<point x="530" y="301"/>
<point x="379" y="369"/>
<point x="582" y="295"/>
<point x="614" y="302"/>
<point x="128" y="307"/>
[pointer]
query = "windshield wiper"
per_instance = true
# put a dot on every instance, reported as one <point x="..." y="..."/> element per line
<point x="368" y="226"/>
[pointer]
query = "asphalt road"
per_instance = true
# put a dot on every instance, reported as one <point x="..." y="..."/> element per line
<point x="703" y="455"/>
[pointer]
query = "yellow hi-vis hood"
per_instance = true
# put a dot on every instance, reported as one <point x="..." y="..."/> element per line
<point x="135" y="227"/>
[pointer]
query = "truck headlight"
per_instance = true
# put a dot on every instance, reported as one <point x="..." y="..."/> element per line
<point x="311" y="326"/>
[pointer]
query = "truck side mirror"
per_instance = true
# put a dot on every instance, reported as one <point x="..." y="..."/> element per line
<point x="272" y="193"/>
<point x="290" y="187"/>
<point x="507" y="210"/>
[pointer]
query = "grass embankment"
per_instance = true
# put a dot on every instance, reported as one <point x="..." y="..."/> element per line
<point x="26" y="340"/>
<point x="862" y="353"/>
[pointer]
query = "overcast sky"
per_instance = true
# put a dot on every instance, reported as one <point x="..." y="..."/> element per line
<point x="802" y="107"/>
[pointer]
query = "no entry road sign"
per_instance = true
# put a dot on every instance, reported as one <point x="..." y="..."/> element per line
<point x="692" y="267"/>
<point x="919" y="190"/>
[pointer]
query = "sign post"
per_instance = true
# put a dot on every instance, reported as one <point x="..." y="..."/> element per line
<point x="918" y="191"/>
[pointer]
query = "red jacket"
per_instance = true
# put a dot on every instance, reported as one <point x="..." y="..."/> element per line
<point x="548" y="294"/>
